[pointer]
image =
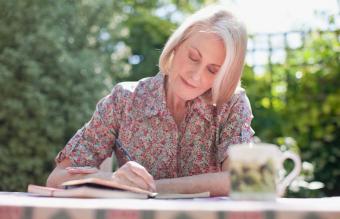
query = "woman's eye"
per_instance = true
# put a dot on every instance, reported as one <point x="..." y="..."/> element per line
<point x="212" y="70"/>
<point x="193" y="57"/>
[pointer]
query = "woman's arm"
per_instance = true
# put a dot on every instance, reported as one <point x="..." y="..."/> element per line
<point x="216" y="183"/>
<point x="131" y="173"/>
<point x="61" y="174"/>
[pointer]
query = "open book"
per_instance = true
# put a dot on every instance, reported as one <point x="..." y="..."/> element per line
<point x="99" y="188"/>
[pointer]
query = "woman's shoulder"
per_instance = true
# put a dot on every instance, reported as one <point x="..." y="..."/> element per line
<point x="140" y="97"/>
<point x="239" y="95"/>
<point x="238" y="103"/>
<point x="128" y="89"/>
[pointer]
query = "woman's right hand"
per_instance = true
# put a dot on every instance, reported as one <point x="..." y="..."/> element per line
<point x="131" y="173"/>
<point x="134" y="174"/>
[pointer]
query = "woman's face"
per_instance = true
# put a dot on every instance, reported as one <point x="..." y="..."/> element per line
<point x="195" y="65"/>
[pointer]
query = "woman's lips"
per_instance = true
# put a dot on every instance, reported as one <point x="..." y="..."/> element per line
<point x="186" y="83"/>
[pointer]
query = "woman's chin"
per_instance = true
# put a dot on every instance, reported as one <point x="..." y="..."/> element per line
<point x="187" y="97"/>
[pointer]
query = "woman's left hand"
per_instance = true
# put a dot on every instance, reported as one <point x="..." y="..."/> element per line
<point x="81" y="170"/>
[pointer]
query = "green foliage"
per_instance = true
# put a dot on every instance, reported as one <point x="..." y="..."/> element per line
<point x="313" y="115"/>
<point x="51" y="76"/>
<point x="301" y="100"/>
<point x="267" y="119"/>
<point x="155" y="32"/>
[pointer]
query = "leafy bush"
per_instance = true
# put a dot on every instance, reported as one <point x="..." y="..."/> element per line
<point x="50" y="79"/>
<point x="312" y="114"/>
<point x="301" y="100"/>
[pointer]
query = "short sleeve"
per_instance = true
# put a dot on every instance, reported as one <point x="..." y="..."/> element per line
<point x="94" y="141"/>
<point x="235" y="124"/>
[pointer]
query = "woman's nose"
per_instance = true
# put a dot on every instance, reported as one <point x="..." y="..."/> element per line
<point x="197" y="74"/>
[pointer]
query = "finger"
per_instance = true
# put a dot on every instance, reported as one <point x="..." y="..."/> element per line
<point x="72" y="171"/>
<point x="143" y="173"/>
<point x="140" y="170"/>
<point x="130" y="178"/>
<point x="81" y="170"/>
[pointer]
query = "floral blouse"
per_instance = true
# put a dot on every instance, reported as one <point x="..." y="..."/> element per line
<point x="137" y="113"/>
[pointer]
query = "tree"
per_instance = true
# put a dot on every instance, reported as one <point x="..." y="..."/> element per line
<point x="307" y="109"/>
<point x="312" y="114"/>
<point x="53" y="65"/>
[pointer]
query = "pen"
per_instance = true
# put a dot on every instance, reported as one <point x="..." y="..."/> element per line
<point x="120" y="146"/>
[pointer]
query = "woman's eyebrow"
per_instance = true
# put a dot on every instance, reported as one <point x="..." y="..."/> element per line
<point x="215" y="65"/>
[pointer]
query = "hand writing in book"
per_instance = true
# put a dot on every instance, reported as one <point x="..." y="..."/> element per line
<point x="131" y="173"/>
<point x="134" y="174"/>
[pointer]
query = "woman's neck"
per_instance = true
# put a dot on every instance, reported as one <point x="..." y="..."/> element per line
<point x="175" y="104"/>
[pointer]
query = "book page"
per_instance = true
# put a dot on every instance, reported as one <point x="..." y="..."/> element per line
<point x="95" y="190"/>
<point x="106" y="183"/>
<point x="84" y="192"/>
<point x="182" y="196"/>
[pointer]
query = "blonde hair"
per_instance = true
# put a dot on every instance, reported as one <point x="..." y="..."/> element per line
<point x="217" y="20"/>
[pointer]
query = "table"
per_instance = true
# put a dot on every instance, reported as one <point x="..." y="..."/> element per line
<point x="27" y="206"/>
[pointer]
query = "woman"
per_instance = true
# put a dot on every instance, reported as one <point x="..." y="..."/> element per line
<point x="177" y="125"/>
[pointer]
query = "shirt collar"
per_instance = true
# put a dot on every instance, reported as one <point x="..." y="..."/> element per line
<point x="203" y="108"/>
<point x="155" y="102"/>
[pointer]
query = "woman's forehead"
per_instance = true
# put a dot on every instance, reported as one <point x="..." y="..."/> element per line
<point x="204" y="35"/>
<point x="208" y="44"/>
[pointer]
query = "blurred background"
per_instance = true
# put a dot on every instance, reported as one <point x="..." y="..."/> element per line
<point x="58" y="58"/>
